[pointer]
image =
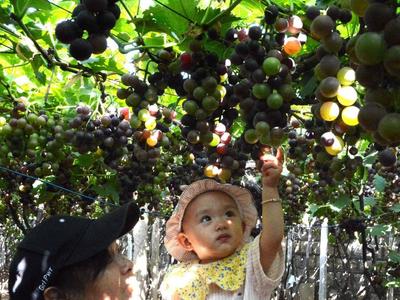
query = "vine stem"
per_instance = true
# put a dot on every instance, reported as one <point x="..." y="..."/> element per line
<point x="14" y="214"/>
<point x="206" y="14"/>
<point x="222" y="14"/>
<point x="87" y="72"/>
<point x="7" y="87"/>
<point x="11" y="49"/>
<point x="138" y="8"/>
<point x="9" y="31"/>
<point x="146" y="72"/>
<point x="127" y="11"/>
<point x="58" y="6"/>
<point x="17" y="66"/>
<point x="46" y="97"/>
<point x="297" y="116"/>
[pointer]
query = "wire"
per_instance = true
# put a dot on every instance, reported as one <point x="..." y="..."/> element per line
<point x="49" y="183"/>
<point x="157" y="214"/>
<point x="83" y="196"/>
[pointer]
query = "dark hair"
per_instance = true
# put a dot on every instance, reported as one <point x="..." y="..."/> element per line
<point x="72" y="281"/>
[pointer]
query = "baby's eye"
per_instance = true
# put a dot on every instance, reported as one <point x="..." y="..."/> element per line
<point x="230" y="213"/>
<point x="205" y="219"/>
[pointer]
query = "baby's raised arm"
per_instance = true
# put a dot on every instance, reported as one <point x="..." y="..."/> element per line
<point x="272" y="214"/>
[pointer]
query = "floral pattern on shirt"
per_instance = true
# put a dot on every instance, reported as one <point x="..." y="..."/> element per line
<point x="191" y="280"/>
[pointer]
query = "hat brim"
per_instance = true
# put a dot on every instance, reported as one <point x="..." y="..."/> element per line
<point x="102" y="232"/>
<point x="241" y="196"/>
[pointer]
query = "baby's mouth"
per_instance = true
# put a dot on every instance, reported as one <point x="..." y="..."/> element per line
<point x="223" y="237"/>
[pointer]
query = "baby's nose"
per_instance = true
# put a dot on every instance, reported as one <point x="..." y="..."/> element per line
<point x="221" y="224"/>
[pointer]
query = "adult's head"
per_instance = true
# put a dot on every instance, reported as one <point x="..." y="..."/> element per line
<point x="67" y="257"/>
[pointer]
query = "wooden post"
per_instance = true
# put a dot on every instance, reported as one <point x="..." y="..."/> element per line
<point x="140" y="258"/>
<point x="155" y="259"/>
<point x="129" y="245"/>
<point x="323" y="259"/>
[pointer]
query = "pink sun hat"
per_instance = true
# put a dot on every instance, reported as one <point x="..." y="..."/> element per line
<point x="241" y="196"/>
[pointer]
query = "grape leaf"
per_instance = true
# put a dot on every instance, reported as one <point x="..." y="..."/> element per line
<point x="20" y="7"/>
<point x="395" y="208"/>
<point x="341" y="202"/>
<point x="108" y="190"/>
<point x="379" y="183"/>
<point x="394" y="256"/>
<point x="379" y="230"/>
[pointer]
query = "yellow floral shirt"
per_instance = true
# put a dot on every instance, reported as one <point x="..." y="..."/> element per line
<point x="191" y="280"/>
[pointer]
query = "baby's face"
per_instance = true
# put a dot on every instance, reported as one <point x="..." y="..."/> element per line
<point x="212" y="226"/>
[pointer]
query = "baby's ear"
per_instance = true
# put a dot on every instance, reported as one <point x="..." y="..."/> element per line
<point x="243" y="225"/>
<point x="184" y="241"/>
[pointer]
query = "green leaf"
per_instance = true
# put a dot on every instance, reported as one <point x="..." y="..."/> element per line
<point x="155" y="40"/>
<point x="215" y="47"/>
<point x="394" y="256"/>
<point x="36" y="63"/>
<point x="123" y="36"/>
<point x="249" y="9"/>
<point x="370" y="201"/>
<point x="40" y="4"/>
<point x="379" y="230"/>
<point x="370" y="159"/>
<point x="341" y="202"/>
<point x="379" y="183"/>
<point x="393" y="284"/>
<point x="309" y="86"/>
<point x="237" y="127"/>
<point x="395" y="208"/>
<point x="108" y="190"/>
<point x="85" y="160"/>
<point x="3" y="184"/>
<point x="20" y="7"/>
<point x="315" y="209"/>
<point x="23" y="51"/>
<point x="5" y="15"/>
<point x="41" y="77"/>
<point x="161" y="19"/>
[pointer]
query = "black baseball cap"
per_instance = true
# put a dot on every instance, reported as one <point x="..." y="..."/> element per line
<point x="61" y="241"/>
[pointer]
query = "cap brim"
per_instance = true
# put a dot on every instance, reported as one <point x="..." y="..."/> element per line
<point x="103" y="231"/>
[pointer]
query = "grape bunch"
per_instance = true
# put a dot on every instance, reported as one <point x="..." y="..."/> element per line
<point x="168" y="73"/>
<point x="33" y="145"/>
<point x="375" y="53"/>
<point x="208" y="111"/>
<point x="125" y="145"/>
<point x="148" y="120"/>
<point x="88" y="30"/>
<point x="261" y="79"/>
<point x="336" y="95"/>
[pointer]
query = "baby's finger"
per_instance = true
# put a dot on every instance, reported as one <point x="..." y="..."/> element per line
<point x="280" y="155"/>
<point x="269" y="165"/>
<point x="268" y="157"/>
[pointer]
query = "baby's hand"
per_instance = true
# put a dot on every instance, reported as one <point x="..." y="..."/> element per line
<point x="272" y="168"/>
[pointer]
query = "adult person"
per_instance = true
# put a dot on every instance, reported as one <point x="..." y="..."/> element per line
<point x="74" y="258"/>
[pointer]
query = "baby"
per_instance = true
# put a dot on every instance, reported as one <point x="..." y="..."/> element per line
<point x="209" y="234"/>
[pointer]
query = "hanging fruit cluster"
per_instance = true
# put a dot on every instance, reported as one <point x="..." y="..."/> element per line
<point x="88" y="30"/>
<point x="376" y="54"/>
